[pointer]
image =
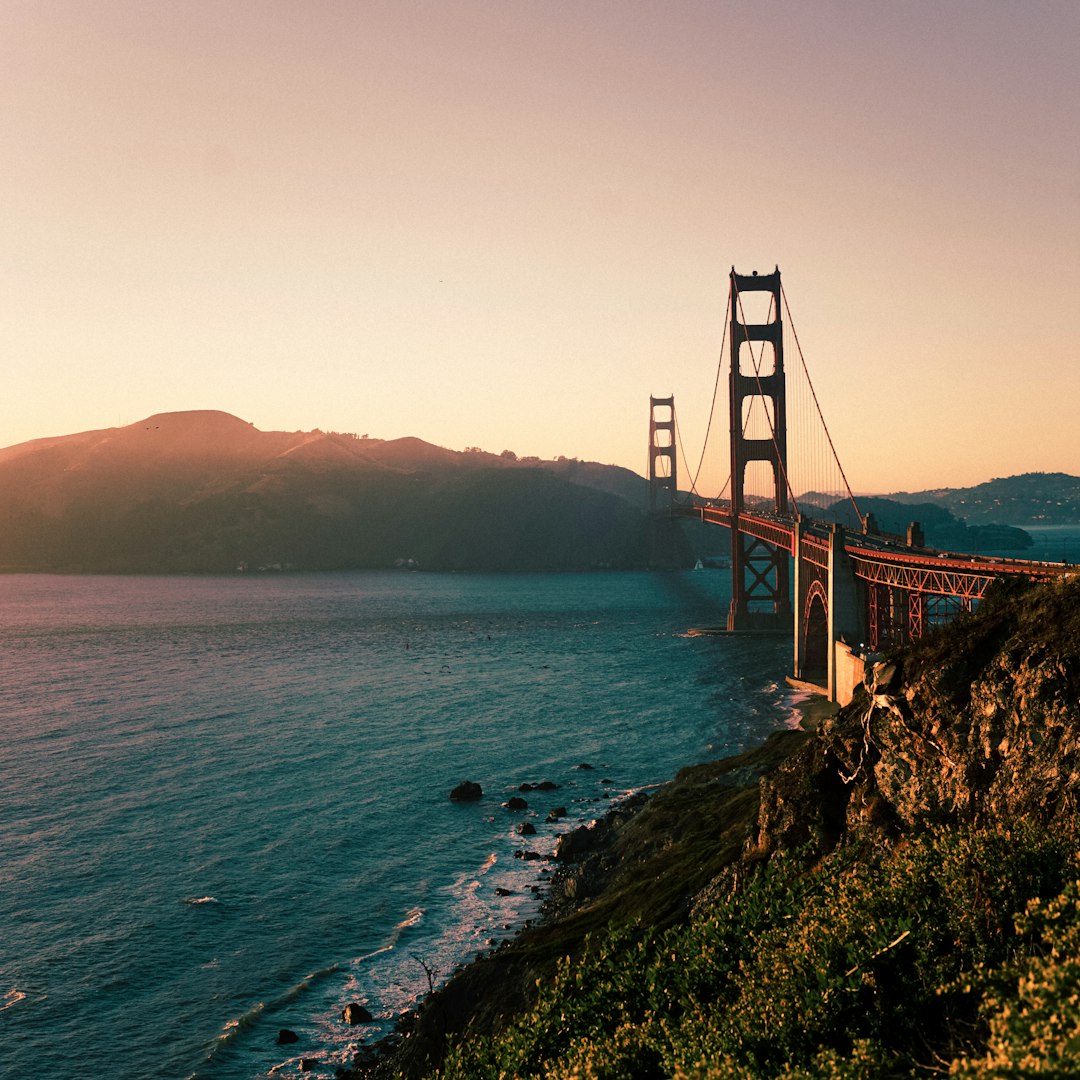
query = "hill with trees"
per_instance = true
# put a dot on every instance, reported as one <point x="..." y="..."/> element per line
<point x="205" y="491"/>
<point x="1027" y="499"/>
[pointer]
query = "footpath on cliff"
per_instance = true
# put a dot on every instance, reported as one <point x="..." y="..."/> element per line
<point x="894" y="893"/>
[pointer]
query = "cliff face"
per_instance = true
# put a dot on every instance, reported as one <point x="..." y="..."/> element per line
<point x="978" y="725"/>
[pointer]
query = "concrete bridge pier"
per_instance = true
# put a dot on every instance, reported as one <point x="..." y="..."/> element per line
<point x="829" y="619"/>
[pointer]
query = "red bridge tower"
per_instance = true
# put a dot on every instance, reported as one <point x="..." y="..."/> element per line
<point x="760" y="589"/>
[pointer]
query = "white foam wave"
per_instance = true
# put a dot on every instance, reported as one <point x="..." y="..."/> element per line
<point x="234" y="1027"/>
<point x="202" y="900"/>
<point x="412" y="918"/>
<point x="12" y="997"/>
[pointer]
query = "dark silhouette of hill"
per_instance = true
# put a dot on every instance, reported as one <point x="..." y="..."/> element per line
<point x="941" y="528"/>
<point x="205" y="491"/>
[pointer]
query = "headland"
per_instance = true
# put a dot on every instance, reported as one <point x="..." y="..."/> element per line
<point x="889" y="891"/>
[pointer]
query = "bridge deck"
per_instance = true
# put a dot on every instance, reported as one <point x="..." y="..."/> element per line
<point x="881" y="559"/>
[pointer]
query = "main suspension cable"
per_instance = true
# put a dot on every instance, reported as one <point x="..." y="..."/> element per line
<point x="817" y="405"/>
<point x="715" y="394"/>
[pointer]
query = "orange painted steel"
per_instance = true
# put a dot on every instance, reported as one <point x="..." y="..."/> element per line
<point x="921" y="571"/>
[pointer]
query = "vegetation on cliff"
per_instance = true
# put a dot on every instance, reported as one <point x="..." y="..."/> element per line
<point x="898" y="895"/>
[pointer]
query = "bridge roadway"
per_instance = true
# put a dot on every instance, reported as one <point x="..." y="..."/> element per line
<point x="880" y="559"/>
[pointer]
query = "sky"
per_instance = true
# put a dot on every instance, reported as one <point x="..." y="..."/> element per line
<point x="507" y="223"/>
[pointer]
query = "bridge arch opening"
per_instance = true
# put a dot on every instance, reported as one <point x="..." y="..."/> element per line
<point x="757" y="358"/>
<point x="758" y="418"/>
<point x="760" y="483"/>
<point x="815" y="651"/>
<point x="755" y="307"/>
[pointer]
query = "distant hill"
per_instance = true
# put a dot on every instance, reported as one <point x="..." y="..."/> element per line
<point x="941" y="529"/>
<point x="1028" y="499"/>
<point x="205" y="491"/>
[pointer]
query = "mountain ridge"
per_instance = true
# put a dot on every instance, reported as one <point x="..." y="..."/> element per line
<point x="203" y="490"/>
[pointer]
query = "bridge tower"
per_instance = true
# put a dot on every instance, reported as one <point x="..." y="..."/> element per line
<point x="664" y="537"/>
<point x="760" y="593"/>
<point x="663" y="482"/>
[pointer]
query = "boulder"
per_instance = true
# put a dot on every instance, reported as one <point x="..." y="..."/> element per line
<point x="500" y="891"/>
<point x="527" y="828"/>
<point x="556" y="813"/>
<point x="285" y="1036"/>
<point x="575" y="844"/>
<point x="516" y="802"/>
<point x="584" y="765"/>
<point x="356" y="1014"/>
<point x="307" y="1064"/>
<point x="467" y="791"/>
<point x="526" y="787"/>
<point x="546" y="785"/>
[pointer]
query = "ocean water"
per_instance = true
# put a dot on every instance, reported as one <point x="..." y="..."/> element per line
<point x="223" y="801"/>
<point x="1053" y="543"/>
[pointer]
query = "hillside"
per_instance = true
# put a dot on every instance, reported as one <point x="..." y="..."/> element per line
<point x="1029" y="499"/>
<point x="893" y="895"/>
<point x="205" y="491"/>
<point x="941" y="528"/>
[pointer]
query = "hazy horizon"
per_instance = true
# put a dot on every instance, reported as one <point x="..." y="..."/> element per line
<point x="377" y="437"/>
<point x="508" y="225"/>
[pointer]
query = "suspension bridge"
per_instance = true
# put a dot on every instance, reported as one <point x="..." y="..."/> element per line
<point x="844" y="591"/>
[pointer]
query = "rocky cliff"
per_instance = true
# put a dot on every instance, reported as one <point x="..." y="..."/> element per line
<point x="977" y="724"/>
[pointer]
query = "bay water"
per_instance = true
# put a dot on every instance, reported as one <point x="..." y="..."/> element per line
<point x="223" y="800"/>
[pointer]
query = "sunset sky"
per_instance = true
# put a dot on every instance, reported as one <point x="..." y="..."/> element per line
<point x="506" y="223"/>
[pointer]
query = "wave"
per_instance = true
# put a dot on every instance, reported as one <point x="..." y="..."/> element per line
<point x="245" y="1020"/>
<point x="12" y="997"/>
<point x="202" y="900"/>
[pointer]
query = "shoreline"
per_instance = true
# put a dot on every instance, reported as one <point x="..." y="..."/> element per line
<point x="596" y="868"/>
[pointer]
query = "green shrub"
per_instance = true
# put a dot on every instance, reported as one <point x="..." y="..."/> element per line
<point x="871" y="963"/>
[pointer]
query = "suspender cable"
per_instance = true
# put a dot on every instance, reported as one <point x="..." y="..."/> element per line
<point x="715" y="394"/>
<point x="817" y="405"/>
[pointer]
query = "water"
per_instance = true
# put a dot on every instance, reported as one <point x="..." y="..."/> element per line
<point x="223" y="801"/>
<point x="1053" y="543"/>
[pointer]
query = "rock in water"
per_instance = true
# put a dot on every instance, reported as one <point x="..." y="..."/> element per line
<point x="285" y="1036"/>
<point x="527" y="828"/>
<point x="467" y="791"/>
<point x="516" y="802"/>
<point x="355" y="1014"/>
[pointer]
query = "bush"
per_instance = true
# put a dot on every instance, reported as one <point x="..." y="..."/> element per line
<point x="870" y="963"/>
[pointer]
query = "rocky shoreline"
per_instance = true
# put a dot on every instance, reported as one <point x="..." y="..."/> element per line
<point x="601" y="871"/>
<point x="871" y="887"/>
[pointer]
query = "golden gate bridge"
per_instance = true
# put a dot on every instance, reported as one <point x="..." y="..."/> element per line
<point x="843" y="591"/>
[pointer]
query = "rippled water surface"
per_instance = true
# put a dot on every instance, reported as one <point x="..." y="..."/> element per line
<point x="223" y="801"/>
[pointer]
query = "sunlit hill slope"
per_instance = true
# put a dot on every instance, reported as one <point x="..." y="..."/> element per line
<point x="206" y="491"/>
